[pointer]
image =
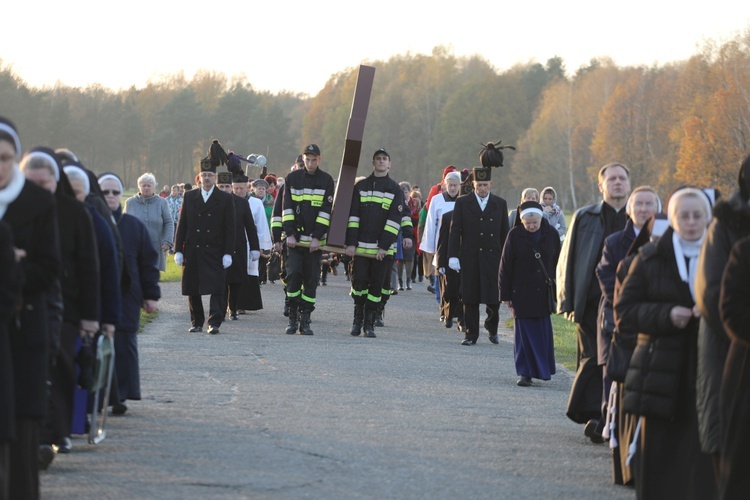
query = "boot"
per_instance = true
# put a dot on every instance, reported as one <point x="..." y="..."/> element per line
<point x="359" y="316"/>
<point x="408" y="284"/>
<point x="369" y="327"/>
<point x="379" y="317"/>
<point x="304" y="323"/>
<point x="292" y="328"/>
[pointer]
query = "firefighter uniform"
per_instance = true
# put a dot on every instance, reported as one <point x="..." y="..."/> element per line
<point x="374" y="222"/>
<point x="306" y="215"/>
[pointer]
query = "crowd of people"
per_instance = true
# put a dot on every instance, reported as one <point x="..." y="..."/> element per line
<point x="658" y="296"/>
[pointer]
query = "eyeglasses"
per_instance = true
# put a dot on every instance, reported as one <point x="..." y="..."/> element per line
<point x="107" y="192"/>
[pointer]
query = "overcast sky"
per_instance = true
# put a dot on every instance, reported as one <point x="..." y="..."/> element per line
<point x="297" y="46"/>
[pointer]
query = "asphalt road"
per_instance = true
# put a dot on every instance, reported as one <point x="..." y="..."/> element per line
<point x="255" y="413"/>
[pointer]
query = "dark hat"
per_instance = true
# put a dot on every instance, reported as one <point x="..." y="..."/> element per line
<point x="188" y="186"/>
<point x="379" y="151"/>
<point x="312" y="149"/>
<point x="224" y="178"/>
<point x="260" y="183"/>
<point x="206" y="165"/>
<point x="240" y="179"/>
<point x="482" y="174"/>
<point x="300" y="160"/>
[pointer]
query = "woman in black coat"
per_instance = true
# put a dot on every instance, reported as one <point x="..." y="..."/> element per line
<point x="734" y="480"/>
<point x="657" y="300"/>
<point x="523" y="287"/>
<point x="31" y="214"/>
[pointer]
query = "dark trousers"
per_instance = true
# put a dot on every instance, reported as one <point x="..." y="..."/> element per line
<point x="24" y="460"/>
<point x="215" y="312"/>
<point x="263" y="269"/>
<point x="366" y="281"/>
<point x="4" y="469"/>
<point x="450" y="300"/>
<point x="385" y="292"/>
<point x="303" y="272"/>
<point x="585" y="400"/>
<point x="471" y="320"/>
<point x="62" y="376"/>
<point x="231" y="297"/>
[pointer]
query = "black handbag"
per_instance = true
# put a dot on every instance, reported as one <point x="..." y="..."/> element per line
<point x="551" y="285"/>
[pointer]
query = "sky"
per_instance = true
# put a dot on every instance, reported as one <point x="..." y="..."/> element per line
<point x="298" y="45"/>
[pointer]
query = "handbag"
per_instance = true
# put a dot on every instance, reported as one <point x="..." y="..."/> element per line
<point x="551" y="285"/>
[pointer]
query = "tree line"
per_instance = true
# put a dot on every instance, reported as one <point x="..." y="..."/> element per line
<point x="687" y="122"/>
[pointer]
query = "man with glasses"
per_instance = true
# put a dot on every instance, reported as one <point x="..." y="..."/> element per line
<point x="203" y="245"/>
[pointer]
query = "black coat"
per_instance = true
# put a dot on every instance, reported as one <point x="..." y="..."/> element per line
<point x="11" y="283"/>
<point x="521" y="279"/>
<point x="477" y="238"/>
<point x="731" y="222"/>
<point x="734" y="481"/>
<point x="245" y="231"/>
<point x="205" y="233"/>
<point x="452" y="284"/>
<point x="648" y="294"/>
<point x="33" y="220"/>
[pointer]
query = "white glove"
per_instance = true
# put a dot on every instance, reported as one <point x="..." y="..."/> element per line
<point x="254" y="255"/>
<point x="441" y="271"/>
<point x="178" y="258"/>
<point x="454" y="264"/>
<point x="226" y="261"/>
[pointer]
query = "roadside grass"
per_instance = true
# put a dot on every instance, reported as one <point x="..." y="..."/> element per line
<point x="146" y="318"/>
<point x="173" y="272"/>
<point x="566" y="340"/>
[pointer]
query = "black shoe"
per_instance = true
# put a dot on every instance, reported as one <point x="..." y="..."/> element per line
<point x="590" y="431"/>
<point x="449" y="322"/>
<point x="64" y="446"/>
<point x="468" y="342"/>
<point x="46" y="456"/>
<point x="494" y="338"/>
<point x="241" y="311"/>
<point x="273" y="282"/>
<point x="408" y="286"/>
<point x="263" y="282"/>
<point x="194" y="329"/>
<point x="379" y="319"/>
<point x="430" y="289"/>
<point x="304" y="323"/>
<point x="421" y="278"/>
<point x="234" y="316"/>
<point x="369" y="326"/>
<point x="119" y="409"/>
<point x="394" y="292"/>
<point x="523" y="381"/>
<point x="213" y="330"/>
<point x="291" y="328"/>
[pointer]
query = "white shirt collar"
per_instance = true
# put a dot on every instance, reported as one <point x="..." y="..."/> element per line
<point x="207" y="194"/>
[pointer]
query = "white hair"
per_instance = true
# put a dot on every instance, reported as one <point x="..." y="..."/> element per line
<point x="147" y="178"/>
<point x="452" y="176"/>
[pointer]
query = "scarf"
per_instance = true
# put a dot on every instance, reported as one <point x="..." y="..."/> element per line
<point x="687" y="250"/>
<point x="9" y="194"/>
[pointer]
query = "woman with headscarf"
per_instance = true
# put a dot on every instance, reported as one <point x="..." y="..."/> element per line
<point x="523" y="283"/>
<point x="79" y="291"/>
<point x="730" y="223"/>
<point x="552" y="211"/>
<point x="153" y="211"/>
<point x="30" y="212"/>
<point x="657" y="299"/>
<point x="141" y="261"/>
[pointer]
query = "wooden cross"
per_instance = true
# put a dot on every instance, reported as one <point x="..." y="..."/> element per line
<point x="342" y="200"/>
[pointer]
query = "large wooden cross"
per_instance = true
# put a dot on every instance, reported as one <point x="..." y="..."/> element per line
<point x="342" y="200"/>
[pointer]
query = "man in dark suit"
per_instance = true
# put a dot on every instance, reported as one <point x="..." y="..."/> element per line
<point x="475" y="244"/>
<point x="245" y="232"/>
<point x="204" y="244"/>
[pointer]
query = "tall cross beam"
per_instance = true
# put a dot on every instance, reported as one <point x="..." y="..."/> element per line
<point x="342" y="200"/>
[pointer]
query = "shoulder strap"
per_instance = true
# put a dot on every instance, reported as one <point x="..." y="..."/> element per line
<point x="538" y="257"/>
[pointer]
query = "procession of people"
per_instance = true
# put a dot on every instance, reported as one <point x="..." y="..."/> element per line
<point x="660" y="324"/>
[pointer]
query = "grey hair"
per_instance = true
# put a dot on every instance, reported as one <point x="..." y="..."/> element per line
<point x="452" y="176"/>
<point x="147" y="178"/>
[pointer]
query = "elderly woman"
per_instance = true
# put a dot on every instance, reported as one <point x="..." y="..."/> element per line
<point x="141" y="263"/>
<point x="529" y="259"/>
<point x="552" y="211"/>
<point x="153" y="211"/>
<point x="657" y="299"/>
<point x="528" y="194"/>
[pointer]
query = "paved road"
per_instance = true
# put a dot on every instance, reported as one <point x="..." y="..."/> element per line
<point x="255" y="413"/>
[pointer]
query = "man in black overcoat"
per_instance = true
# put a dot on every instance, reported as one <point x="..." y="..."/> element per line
<point x="477" y="235"/>
<point x="204" y="244"/>
<point x="245" y="232"/>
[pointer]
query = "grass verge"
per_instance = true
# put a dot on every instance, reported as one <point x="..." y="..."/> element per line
<point x="173" y="272"/>
<point x="566" y="340"/>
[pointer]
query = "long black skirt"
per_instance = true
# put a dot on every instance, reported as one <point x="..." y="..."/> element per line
<point x="250" y="298"/>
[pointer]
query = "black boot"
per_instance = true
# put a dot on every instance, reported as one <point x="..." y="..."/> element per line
<point x="304" y="323"/>
<point x="369" y="327"/>
<point x="379" y="317"/>
<point x="359" y="317"/>
<point x="292" y="328"/>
